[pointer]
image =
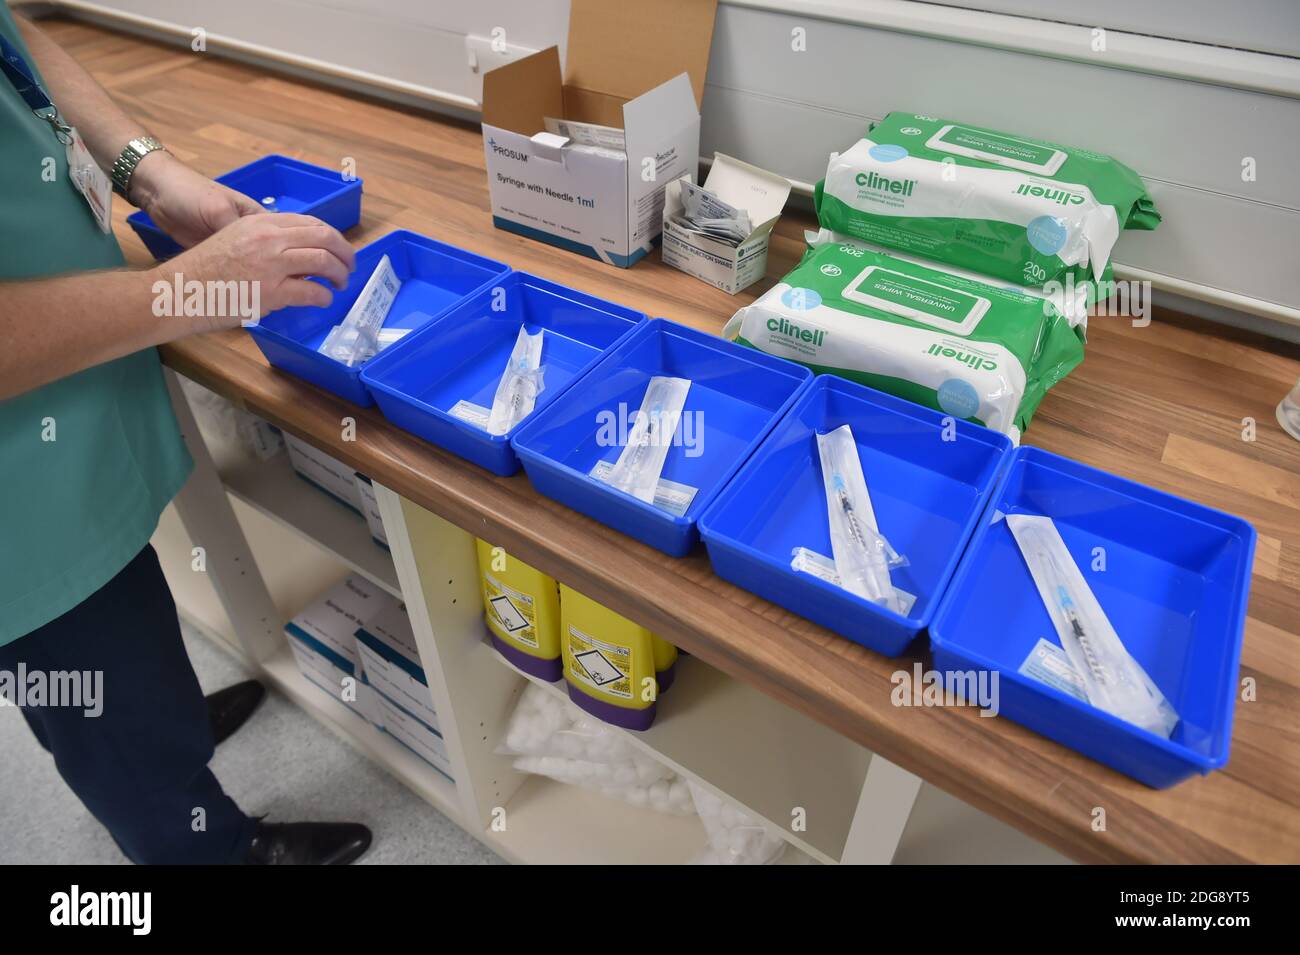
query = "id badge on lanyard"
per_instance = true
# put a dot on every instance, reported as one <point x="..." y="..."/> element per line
<point x="87" y="178"/>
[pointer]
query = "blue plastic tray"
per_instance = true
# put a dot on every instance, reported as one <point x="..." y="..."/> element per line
<point x="1176" y="579"/>
<point x="435" y="278"/>
<point x="295" y="185"/>
<point x="737" y="394"/>
<point x="419" y="380"/>
<point x="928" y="495"/>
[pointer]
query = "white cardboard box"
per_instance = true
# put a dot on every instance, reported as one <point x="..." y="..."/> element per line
<point x="345" y="685"/>
<point x="392" y="663"/>
<point x="333" y="620"/>
<point x="414" y="735"/>
<point x="634" y="66"/>
<point x="760" y="193"/>
<point x="370" y="508"/>
<point x="328" y="473"/>
<point x="323" y="640"/>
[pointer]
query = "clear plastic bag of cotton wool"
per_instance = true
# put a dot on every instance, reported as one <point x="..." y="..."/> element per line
<point x="549" y="736"/>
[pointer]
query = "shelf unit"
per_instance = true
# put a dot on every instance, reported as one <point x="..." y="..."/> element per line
<point x="752" y="750"/>
<point x="712" y="729"/>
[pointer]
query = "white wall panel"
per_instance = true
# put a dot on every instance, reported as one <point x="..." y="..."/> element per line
<point x="1269" y="26"/>
<point x="788" y="110"/>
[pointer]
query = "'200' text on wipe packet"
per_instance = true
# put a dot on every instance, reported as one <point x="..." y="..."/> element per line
<point x="1017" y="209"/>
<point x="965" y="348"/>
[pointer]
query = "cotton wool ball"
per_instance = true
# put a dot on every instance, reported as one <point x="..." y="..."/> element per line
<point x="679" y="794"/>
<point x="731" y="817"/>
<point x="564" y="744"/>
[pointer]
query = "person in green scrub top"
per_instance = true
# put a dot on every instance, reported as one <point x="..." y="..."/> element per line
<point x="90" y="454"/>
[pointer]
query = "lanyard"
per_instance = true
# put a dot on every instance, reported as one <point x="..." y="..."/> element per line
<point x="24" y="81"/>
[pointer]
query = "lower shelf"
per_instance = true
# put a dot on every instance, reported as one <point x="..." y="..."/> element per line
<point x="753" y="751"/>
<point x="554" y="823"/>
<point x="435" y="788"/>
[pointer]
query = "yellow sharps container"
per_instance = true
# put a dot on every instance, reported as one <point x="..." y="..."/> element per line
<point x="522" y="609"/>
<point x="610" y="663"/>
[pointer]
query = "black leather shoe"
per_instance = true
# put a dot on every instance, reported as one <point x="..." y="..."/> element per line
<point x="228" y="709"/>
<point x="308" y="843"/>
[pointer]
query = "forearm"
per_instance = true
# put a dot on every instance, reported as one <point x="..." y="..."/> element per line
<point x="52" y="328"/>
<point x="105" y="127"/>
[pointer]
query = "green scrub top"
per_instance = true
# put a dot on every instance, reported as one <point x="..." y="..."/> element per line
<point x="88" y="463"/>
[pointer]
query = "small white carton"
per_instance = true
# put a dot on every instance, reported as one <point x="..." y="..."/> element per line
<point x="419" y="738"/>
<point x="392" y="662"/>
<point x="322" y="638"/>
<point x="760" y="193"/>
<point x="345" y="686"/>
<point x="624" y="122"/>
<point x="328" y="473"/>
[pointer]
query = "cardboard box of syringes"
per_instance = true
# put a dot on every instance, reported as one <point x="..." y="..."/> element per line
<point x="580" y="159"/>
<point x="730" y="267"/>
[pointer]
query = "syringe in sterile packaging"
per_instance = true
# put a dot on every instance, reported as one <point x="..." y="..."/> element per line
<point x="862" y="555"/>
<point x="641" y="461"/>
<point x="1112" y="679"/>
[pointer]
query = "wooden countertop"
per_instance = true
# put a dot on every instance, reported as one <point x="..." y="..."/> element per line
<point x="1164" y="405"/>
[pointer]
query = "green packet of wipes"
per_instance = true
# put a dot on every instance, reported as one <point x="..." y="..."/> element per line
<point x="1013" y="208"/>
<point x="944" y="340"/>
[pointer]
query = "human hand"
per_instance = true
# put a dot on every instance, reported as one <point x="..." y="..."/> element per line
<point x="186" y="205"/>
<point x="273" y="255"/>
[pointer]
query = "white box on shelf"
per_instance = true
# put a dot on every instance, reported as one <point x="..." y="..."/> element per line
<point x="328" y="473"/>
<point x="624" y="119"/>
<point x="760" y="193"/>
<point x="415" y="735"/>
<point x="336" y="676"/>
<point x="260" y="437"/>
<point x="334" y="618"/>
<point x="370" y="508"/>
<point x="392" y="662"/>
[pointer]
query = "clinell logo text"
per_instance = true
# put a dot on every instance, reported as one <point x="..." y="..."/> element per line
<point x="870" y="180"/>
<point x="781" y="326"/>
<point x="1062" y="197"/>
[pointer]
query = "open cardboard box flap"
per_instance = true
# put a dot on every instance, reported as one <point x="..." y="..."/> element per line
<point x="617" y="50"/>
<point x="760" y="193"/>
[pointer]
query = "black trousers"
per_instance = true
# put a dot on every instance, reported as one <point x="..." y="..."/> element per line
<point x="136" y="751"/>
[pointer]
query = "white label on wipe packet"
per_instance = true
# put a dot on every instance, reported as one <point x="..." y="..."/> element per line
<point x="822" y="567"/>
<point x="928" y="303"/>
<point x="1047" y="663"/>
<point x="996" y="148"/>
<point x="669" y="495"/>
<point x="586" y="134"/>
<point x="471" y="413"/>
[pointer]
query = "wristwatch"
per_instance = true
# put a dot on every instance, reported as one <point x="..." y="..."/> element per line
<point x="130" y="156"/>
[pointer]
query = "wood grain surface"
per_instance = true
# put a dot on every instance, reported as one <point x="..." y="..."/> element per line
<point x="1163" y="404"/>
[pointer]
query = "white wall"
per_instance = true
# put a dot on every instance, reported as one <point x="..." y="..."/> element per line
<point x="1184" y="114"/>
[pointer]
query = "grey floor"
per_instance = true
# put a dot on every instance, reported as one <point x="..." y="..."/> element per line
<point x="281" y="763"/>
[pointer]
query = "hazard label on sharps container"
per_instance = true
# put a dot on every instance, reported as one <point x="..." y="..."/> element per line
<point x="605" y="666"/>
<point x="512" y="611"/>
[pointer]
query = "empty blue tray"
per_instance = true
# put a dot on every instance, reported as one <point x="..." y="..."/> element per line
<point x="927" y="492"/>
<point x="435" y="278"/>
<point x="459" y="360"/>
<point x="736" y="396"/>
<point x="296" y="186"/>
<point x="1175" y="584"/>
